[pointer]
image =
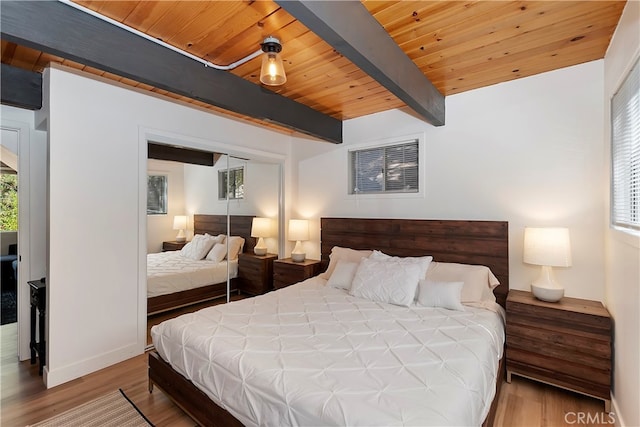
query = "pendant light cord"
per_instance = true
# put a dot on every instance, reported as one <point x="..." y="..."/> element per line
<point x="160" y="42"/>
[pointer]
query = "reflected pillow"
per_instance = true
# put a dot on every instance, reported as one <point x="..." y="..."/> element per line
<point x="423" y="261"/>
<point x="217" y="253"/>
<point x="440" y="294"/>
<point x="236" y="243"/>
<point x="198" y="247"/>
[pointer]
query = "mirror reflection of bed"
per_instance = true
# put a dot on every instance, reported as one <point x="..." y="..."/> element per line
<point x="177" y="283"/>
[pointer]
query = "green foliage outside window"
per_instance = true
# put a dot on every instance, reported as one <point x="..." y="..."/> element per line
<point x="8" y="202"/>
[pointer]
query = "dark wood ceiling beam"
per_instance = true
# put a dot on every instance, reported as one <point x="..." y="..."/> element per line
<point x="350" y="29"/>
<point x="20" y="88"/>
<point x="62" y="30"/>
<point x="181" y="154"/>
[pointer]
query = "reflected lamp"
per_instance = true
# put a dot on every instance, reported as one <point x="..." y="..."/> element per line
<point x="260" y="228"/>
<point x="180" y="224"/>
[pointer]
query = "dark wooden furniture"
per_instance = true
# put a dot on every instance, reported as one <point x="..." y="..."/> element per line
<point x="172" y="246"/>
<point x="471" y="242"/>
<point x="38" y="293"/>
<point x="255" y="273"/>
<point x="239" y="225"/>
<point x="565" y="344"/>
<point x="287" y="272"/>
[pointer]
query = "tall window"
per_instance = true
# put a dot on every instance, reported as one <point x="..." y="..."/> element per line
<point x="8" y="201"/>
<point x="156" y="194"/>
<point x="388" y="169"/>
<point x="235" y="179"/>
<point x="625" y="146"/>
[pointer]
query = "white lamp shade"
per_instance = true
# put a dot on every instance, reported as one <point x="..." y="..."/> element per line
<point x="298" y="229"/>
<point x="179" y="222"/>
<point x="547" y="246"/>
<point x="261" y="227"/>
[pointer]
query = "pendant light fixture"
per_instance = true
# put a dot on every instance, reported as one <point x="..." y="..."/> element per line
<point x="272" y="71"/>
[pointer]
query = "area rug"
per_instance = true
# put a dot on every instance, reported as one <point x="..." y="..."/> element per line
<point x="8" y="308"/>
<point x="111" y="410"/>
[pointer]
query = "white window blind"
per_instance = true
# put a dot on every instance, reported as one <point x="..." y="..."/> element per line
<point x="389" y="169"/>
<point x="625" y="146"/>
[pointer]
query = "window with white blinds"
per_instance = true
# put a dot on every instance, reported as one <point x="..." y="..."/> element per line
<point x="233" y="179"/>
<point x="387" y="169"/>
<point x="625" y="147"/>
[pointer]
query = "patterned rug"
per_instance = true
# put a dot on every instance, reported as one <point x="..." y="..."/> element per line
<point x="111" y="410"/>
<point x="8" y="308"/>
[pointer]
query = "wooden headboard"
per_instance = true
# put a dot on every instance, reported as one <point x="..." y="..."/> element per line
<point x="240" y="225"/>
<point x="467" y="242"/>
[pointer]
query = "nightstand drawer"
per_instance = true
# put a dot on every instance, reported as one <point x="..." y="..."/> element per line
<point x="287" y="272"/>
<point x="565" y="343"/>
<point x="255" y="273"/>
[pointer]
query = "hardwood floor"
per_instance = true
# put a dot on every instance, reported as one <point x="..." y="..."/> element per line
<point x="25" y="400"/>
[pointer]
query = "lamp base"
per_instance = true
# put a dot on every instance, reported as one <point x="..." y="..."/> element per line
<point x="260" y="251"/>
<point x="547" y="294"/>
<point x="299" y="257"/>
<point x="181" y="239"/>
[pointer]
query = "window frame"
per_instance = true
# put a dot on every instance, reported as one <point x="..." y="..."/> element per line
<point x="223" y="189"/>
<point x="629" y="220"/>
<point x="386" y="143"/>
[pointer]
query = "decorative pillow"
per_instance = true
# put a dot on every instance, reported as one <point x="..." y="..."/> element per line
<point x="198" y="247"/>
<point x="217" y="253"/>
<point x="440" y="294"/>
<point x="478" y="280"/>
<point x="235" y="246"/>
<point x="423" y="261"/>
<point x="338" y="253"/>
<point x="387" y="281"/>
<point x="343" y="274"/>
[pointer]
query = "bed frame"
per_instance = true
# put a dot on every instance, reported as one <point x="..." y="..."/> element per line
<point x="469" y="242"/>
<point x="240" y="225"/>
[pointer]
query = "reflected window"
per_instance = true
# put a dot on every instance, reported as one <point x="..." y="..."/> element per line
<point x="233" y="181"/>
<point x="156" y="195"/>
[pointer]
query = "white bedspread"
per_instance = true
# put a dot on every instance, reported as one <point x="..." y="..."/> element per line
<point x="312" y="355"/>
<point x="169" y="272"/>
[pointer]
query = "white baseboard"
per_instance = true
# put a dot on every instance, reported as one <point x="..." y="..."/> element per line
<point x="616" y="410"/>
<point x="56" y="376"/>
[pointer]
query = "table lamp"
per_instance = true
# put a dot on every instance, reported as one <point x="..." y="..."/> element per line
<point x="260" y="228"/>
<point x="547" y="247"/>
<point x="180" y="224"/>
<point x="298" y="231"/>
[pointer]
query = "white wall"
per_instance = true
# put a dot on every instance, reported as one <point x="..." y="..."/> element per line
<point x="527" y="151"/>
<point x="160" y="227"/>
<point x="622" y="249"/>
<point x="97" y="180"/>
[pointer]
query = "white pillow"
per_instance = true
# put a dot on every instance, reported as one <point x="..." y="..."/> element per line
<point x="440" y="294"/>
<point x="422" y="261"/>
<point x="343" y="274"/>
<point x="388" y="281"/>
<point x="235" y="246"/>
<point x="198" y="247"/>
<point x="338" y="253"/>
<point x="217" y="253"/>
<point x="479" y="281"/>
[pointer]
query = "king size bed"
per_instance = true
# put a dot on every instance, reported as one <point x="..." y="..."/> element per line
<point x="175" y="281"/>
<point x="349" y="347"/>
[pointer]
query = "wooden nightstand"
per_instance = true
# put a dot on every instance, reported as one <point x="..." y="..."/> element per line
<point x="255" y="273"/>
<point x="287" y="272"/>
<point x="172" y="246"/>
<point x="565" y="344"/>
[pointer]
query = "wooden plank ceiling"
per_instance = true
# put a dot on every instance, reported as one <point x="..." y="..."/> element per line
<point x="458" y="45"/>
